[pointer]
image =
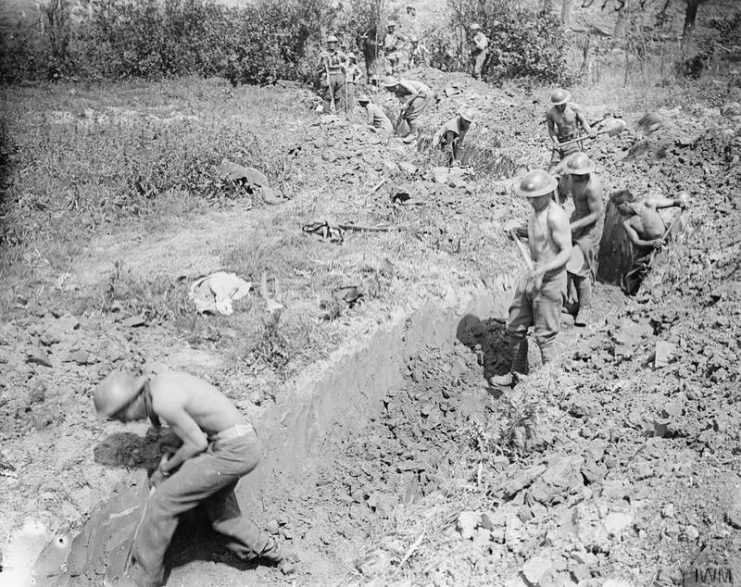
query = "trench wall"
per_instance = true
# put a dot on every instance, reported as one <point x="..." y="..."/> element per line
<point x="338" y="395"/>
<point x="346" y="390"/>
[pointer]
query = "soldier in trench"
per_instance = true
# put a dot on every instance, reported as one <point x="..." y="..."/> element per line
<point x="539" y="296"/>
<point x="564" y="118"/>
<point x="216" y="447"/>
<point x="452" y="134"/>
<point x="645" y="228"/>
<point x="376" y="117"/>
<point x="587" y="221"/>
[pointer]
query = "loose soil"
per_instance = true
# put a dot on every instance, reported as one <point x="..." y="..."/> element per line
<point x="618" y="466"/>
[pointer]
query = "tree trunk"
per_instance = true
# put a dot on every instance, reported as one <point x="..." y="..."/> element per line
<point x="621" y="21"/>
<point x="566" y="12"/>
<point x="690" y="16"/>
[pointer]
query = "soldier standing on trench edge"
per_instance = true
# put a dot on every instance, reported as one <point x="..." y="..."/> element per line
<point x="331" y="68"/>
<point x="217" y="448"/>
<point x="539" y="296"/>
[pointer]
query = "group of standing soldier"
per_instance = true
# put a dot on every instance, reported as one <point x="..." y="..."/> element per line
<point x="339" y="73"/>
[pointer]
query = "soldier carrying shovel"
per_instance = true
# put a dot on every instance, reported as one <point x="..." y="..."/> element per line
<point x="564" y="118"/>
<point x="332" y="67"/>
<point x="540" y="291"/>
<point x="413" y="96"/>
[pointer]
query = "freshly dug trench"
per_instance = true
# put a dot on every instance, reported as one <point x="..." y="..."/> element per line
<point x="347" y="394"/>
<point x="616" y="253"/>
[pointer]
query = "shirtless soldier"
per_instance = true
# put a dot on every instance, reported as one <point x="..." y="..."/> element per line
<point x="218" y="447"/>
<point x="645" y="229"/>
<point x="376" y="117"/>
<point x="564" y="119"/>
<point x="539" y="296"/>
<point x="413" y="96"/>
<point x="587" y="222"/>
<point x="453" y="133"/>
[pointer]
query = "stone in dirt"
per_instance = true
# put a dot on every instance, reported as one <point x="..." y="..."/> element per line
<point x="535" y="569"/>
<point x="467" y="523"/>
<point x="522" y="480"/>
<point x="617" y="522"/>
<point x="562" y="478"/>
<point x="38" y="357"/>
<point x="665" y="351"/>
<point x="733" y="517"/>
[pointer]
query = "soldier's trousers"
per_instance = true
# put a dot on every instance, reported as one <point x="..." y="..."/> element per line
<point x="208" y="479"/>
<point x="541" y="310"/>
<point x="336" y="90"/>
<point x="478" y="58"/>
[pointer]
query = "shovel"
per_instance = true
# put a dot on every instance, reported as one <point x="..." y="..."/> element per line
<point x="614" y="130"/>
<point x="521" y="247"/>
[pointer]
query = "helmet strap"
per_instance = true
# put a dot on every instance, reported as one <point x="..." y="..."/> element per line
<point x="153" y="417"/>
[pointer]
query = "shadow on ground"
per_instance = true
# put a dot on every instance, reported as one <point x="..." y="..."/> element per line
<point x="487" y="339"/>
<point x="125" y="449"/>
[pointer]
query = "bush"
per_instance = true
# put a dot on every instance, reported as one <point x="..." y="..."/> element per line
<point x="158" y="38"/>
<point x="522" y="43"/>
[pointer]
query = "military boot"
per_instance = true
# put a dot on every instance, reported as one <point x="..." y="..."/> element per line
<point x="518" y="370"/>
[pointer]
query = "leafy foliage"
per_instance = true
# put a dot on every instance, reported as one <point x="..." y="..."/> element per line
<point x="522" y="43"/>
<point x="151" y="38"/>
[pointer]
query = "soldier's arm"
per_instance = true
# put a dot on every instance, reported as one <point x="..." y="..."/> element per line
<point x="551" y="127"/>
<point x="582" y="120"/>
<point x="181" y="423"/>
<point x="594" y="202"/>
<point x="666" y="202"/>
<point x="634" y="237"/>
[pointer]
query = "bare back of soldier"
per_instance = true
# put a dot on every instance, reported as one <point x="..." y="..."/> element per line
<point x="647" y="221"/>
<point x="543" y="247"/>
<point x="175" y="395"/>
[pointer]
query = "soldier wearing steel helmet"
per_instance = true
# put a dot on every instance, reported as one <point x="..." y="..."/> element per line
<point x="587" y="221"/>
<point x="376" y="117"/>
<point x="419" y="54"/>
<point x="392" y="45"/>
<point x="453" y="133"/>
<point x="479" y="50"/>
<point x="332" y="65"/>
<point x="539" y="296"/>
<point x="216" y="447"/>
<point x="413" y="96"/>
<point x="645" y="229"/>
<point x="353" y="73"/>
<point x="564" y="118"/>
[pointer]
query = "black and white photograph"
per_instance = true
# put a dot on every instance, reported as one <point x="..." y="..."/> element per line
<point x="370" y="292"/>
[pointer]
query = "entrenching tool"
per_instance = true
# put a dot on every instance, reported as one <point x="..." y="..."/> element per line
<point x="521" y="247"/>
<point x="614" y="130"/>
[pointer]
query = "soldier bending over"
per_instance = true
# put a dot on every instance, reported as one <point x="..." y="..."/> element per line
<point x="218" y="447"/>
